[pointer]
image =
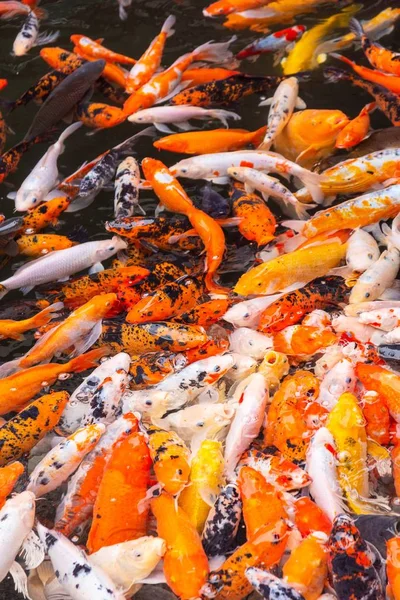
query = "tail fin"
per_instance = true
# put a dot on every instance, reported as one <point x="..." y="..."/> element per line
<point x="258" y="136"/>
<point x="168" y="26"/>
<point x="312" y="181"/>
<point x="47" y="314"/>
<point x="356" y="28"/>
<point x="333" y="75"/>
<point x="342" y="58"/>
<point x="224" y="115"/>
<point x="149" y="131"/>
<point x="214" y="52"/>
<point x="88" y="360"/>
<point x="3" y="291"/>
<point x="47" y="38"/>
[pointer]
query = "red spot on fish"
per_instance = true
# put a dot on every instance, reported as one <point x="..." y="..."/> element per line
<point x="244" y="163"/>
<point x="291" y="33"/>
<point x="331" y="449"/>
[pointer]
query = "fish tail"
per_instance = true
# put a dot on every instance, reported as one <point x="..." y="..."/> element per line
<point x="224" y="115"/>
<point x="149" y="131"/>
<point x="168" y="26"/>
<point x="3" y="291"/>
<point x="332" y="74"/>
<point x="214" y="52"/>
<point x="47" y="314"/>
<point x="313" y="181"/>
<point x="356" y="28"/>
<point x="88" y="360"/>
<point x="342" y="58"/>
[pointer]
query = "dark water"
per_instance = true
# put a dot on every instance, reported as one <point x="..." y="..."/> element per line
<point x="100" y="19"/>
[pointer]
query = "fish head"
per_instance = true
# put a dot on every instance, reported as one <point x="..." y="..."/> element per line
<point x="27" y="199"/>
<point x="242" y="367"/>
<point x="21" y="45"/>
<point x="345" y="537"/>
<point x="23" y="505"/>
<point x="108" y="248"/>
<point x="144" y="554"/>
<point x="187" y="168"/>
<point x="142" y="116"/>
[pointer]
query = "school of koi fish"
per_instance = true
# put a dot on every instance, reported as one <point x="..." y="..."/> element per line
<point x="213" y="412"/>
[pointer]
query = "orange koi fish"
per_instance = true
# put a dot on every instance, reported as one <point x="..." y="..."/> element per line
<point x="124" y="483"/>
<point x="204" y="75"/>
<point x="170" y="459"/>
<point x="94" y="49"/>
<point x="377" y="417"/>
<point x="257" y="223"/>
<point x="391" y="82"/>
<point x="355" y="131"/>
<point x="174" y="198"/>
<point x="15" y="329"/>
<point x="45" y="214"/>
<point x="185" y="562"/>
<point x="307" y="567"/>
<point x="265" y="548"/>
<point x="111" y="72"/>
<point x="290" y="308"/>
<point x="208" y="142"/>
<point x="262" y="504"/>
<point x="21" y="433"/>
<point x="77" y="505"/>
<point x="226" y="7"/>
<point x="98" y="115"/>
<point x="297" y="340"/>
<point x="160" y="86"/>
<point x="9" y="476"/>
<point x="167" y="301"/>
<point x="152" y="337"/>
<point x="379" y="57"/>
<point x="150" y="61"/>
<point x="205" y="314"/>
<point x="19" y="388"/>
<point x="153" y="367"/>
<point x="36" y="245"/>
<point x="384" y="382"/>
<point x="309" y="517"/>
<point x="80" y="330"/>
<point x="211" y="348"/>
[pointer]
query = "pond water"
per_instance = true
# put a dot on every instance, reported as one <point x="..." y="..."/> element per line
<point x="99" y="18"/>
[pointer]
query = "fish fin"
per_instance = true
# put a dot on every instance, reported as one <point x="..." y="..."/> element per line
<point x="20" y="579"/>
<point x="123" y="14"/>
<point x="163" y="128"/>
<point x="46" y="38"/>
<point x="88" y="360"/>
<point x="80" y="203"/>
<point x="153" y="578"/>
<point x="265" y="146"/>
<point x="63" y="279"/>
<point x="8" y="368"/>
<point x="139" y="209"/>
<point x="300" y="104"/>
<point x="185" y="126"/>
<point x="11" y="195"/>
<point x="214" y="52"/>
<point x="344" y="272"/>
<point x="356" y="28"/>
<point x="293" y="287"/>
<point x="219" y="180"/>
<point x="249" y="189"/>
<point x="265" y="197"/>
<point x="208" y="495"/>
<point x="278" y="57"/>
<point x="159" y="209"/>
<point x="308" y="152"/>
<point x="266" y="102"/>
<point x="85" y="343"/>
<point x="296" y="225"/>
<point x="96" y="268"/>
<point x="168" y="26"/>
<point x="27" y="288"/>
<point x="3" y="291"/>
<point x="149" y="131"/>
<point x="312" y="182"/>
<point x="33" y="551"/>
<point x="179" y="88"/>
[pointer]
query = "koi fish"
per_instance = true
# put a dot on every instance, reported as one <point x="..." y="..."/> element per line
<point x="362" y="251"/>
<point x="96" y="50"/>
<point x="60" y="264"/>
<point x="77" y="504"/>
<point x="215" y="166"/>
<point x="310" y="135"/>
<point x="124" y="483"/>
<point x="21" y="433"/>
<point x="350" y="562"/>
<point x="207" y="142"/>
<point x="73" y="568"/>
<point x="111" y="72"/>
<point x="377" y="278"/>
<point x="277" y="43"/>
<point x="293" y="269"/>
<point x="29" y="36"/>
<point x="387" y="101"/>
<point x="205" y="483"/>
<point x="64" y="98"/>
<point x="379" y="57"/>
<point x="162" y="85"/>
<point x="98" y="115"/>
<point x="38" y="92"/>
<point x="309" y="518"/>
<point x="127" y="179"/>
<point x="257" y="223"/>
<point x="19" y="389"/>
<point x="15" y="329"/>
<point x="304" y="54"/>
<point x="153" y="367"/>
<point x="63" y="459"/>
<point x="290" y="308"/>
<point x="270" y="586"/>
<point x="354" y="133"/>
<point x="205" y="314"/>
<point x="268" y="186"/>
<point x="38" y="245"/>
<point x="226" y="7"/>
<point x="97" y="398"/>
<point x="391" y="82"/>
<point x="10" y="159"/>
<point x="179" y="116"/>
<point x="149" y="62"/>
<point x="222" y="523"/>
<point x="185" y="562"/>
<point x="225" y="92"/>
<point x="9" y="476"/>
<point x="206" y="75"/>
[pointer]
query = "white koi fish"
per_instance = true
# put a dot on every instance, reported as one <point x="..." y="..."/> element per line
<point x="179" y="116"/>
<point x="29" y="36"/>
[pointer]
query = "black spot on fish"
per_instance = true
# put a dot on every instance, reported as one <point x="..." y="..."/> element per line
<point x="78" y="569"/>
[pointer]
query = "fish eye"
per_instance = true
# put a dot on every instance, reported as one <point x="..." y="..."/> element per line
<point x="111" y="248"/>
<point x="246" y="315"/>
<point x="184" y="170"/>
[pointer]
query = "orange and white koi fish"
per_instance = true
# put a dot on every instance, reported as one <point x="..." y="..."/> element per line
<point x="161" y="86"/>
<point x="63" y="459"/>
<point x="96" y="50"/>
<point x="148" y="63"/>
<point x="355" y="131"/>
